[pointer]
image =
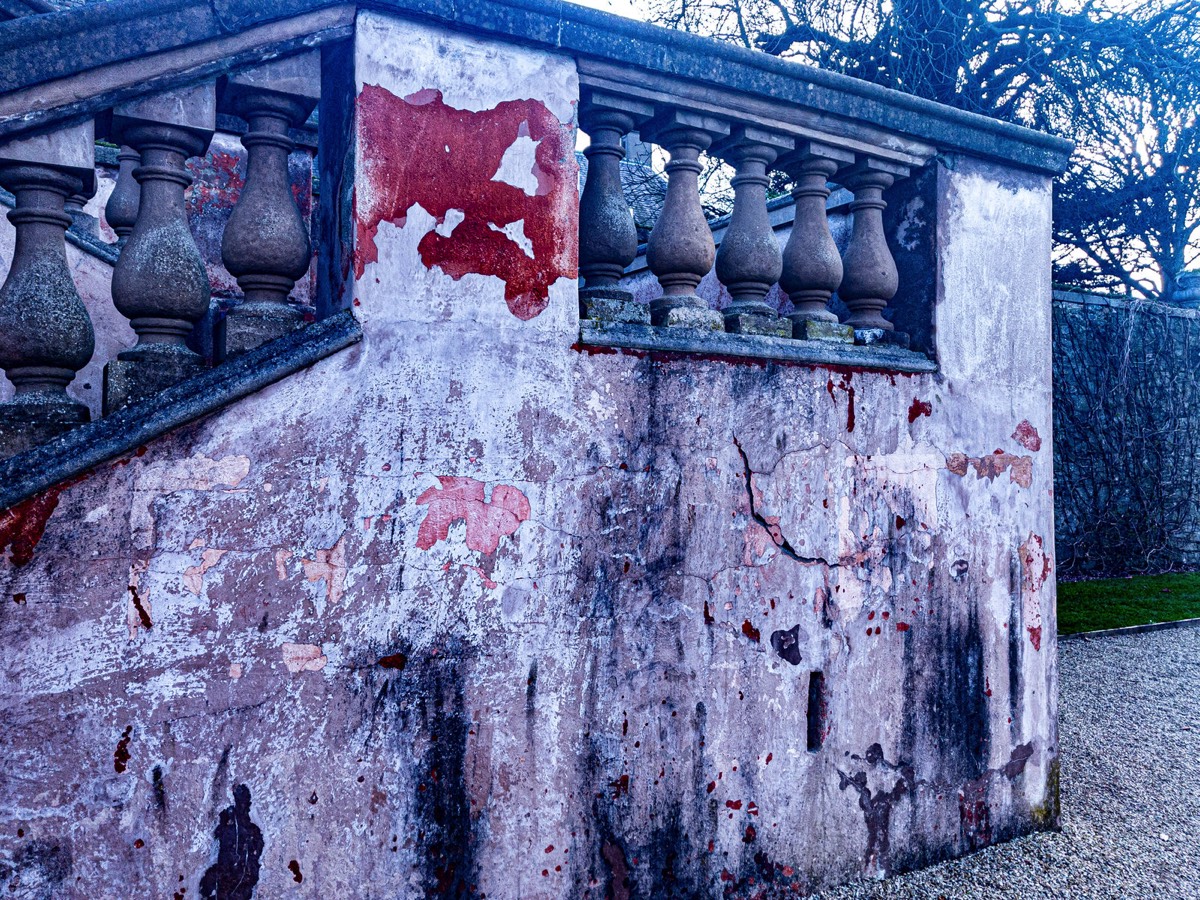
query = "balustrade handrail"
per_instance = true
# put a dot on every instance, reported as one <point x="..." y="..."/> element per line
<point x="39" y="50"/>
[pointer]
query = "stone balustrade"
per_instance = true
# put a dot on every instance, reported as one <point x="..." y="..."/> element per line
<point x="160" y="282"/>
<point x="811" y="274"/>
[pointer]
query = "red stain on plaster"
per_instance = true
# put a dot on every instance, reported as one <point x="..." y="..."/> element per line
<point x="919" y="408"/>
<point x="750" y="631"/>
<point x="1035" y="570"/>
<point x="22" y="526"/>
<point x="1019" y="468"/>
<point x="462" y="500"/>
<point x="1027" y="436"/>
<point x="121" y="756"/>
<point x="734" y="804"/>
<point x="902" y="626"/>
<point x="294" y="868"/>
<point x="393" y="661"/>
<point x="844" y="385"/>
<point x="418" y="150"/>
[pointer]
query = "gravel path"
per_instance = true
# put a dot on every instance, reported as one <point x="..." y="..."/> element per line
<point x="1130" y="735"/>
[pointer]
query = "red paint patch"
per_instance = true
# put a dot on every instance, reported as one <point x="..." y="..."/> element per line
<point x="919" y="408"/>
<point x="1019" y="468"/>
<point x="844" y="384"/>
<point x="393" y="661"/>
<point x="22" y="526"/>
<point x="1035" y="570"/>
<point x="734" y="804"/>
<point x="902" y="626"/>
<point x="750" y="631"/>
<point x="121" y="755"/>
<point x="418" y="150"/>
<point x="1027" y="436"/>
<point x="462" y="500"/>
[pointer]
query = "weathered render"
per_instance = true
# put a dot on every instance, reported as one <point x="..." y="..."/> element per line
<point x="475" y="608"/>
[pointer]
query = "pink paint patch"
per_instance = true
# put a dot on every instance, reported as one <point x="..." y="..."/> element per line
<point x="1027" y="436"/>
<point x="330" y="567"/>
<point x="462" y="500"/>
<point x="417" y="150"/>
<point x="1019" y="468"/>
<point x="1035" y="569"/>
<point x="303" y="658"/>
<point x="193" y="576"/>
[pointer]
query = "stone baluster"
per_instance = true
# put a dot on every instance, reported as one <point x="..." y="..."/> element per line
<point x="749" y="261"/>
<point x="121" y="210"/>
<point x="266" y="243"/>
<point x="681" y="249"/>
<point x="812" y="266"/>
<point x="160" y="283"/>
<point x="45" y="332"/>
<point x="870" y="279"/>
<point x="607" y="233"/>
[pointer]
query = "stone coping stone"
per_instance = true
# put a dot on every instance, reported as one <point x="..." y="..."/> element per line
<point x="80" y="450"/>
<point x="38" y="49"/>
<point x="878" y="357"/>
<point x="1130" y="629"/>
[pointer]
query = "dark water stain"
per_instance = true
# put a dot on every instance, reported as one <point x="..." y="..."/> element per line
<point x="234" y="875"/>
<point x="442" y="808"/>
<point x="143" y="615"/>
<point x="787" y="644"/>
<point x="160" y="791"/>
<point x="39" y="868"/>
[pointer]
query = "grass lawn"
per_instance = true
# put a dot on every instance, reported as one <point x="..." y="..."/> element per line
<point x="1117" y="602"/>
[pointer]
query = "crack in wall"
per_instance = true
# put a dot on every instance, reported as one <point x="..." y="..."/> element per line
<point x="775" y="533"/>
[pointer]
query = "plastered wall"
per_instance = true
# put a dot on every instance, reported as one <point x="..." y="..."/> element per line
<point x="469" y="610"/>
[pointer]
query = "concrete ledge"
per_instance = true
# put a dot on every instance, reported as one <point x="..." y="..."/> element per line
<point x="75" y="452"/>
<point x="1131" y="629"/>
<point x="880" y="358"/>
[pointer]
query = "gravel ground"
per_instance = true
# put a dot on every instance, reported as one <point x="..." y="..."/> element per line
<point x="1129" y="721"/>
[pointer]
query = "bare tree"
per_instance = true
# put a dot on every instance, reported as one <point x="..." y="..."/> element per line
<point x="1122" y="81"/>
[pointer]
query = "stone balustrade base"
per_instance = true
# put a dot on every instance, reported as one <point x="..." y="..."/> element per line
<point x="881" y="336"/>
<point x="749" y="323"/>
<point x="693" y="317"/>
<point x="703" y="343"/>
<point x="31" y="422"/>
<point x="822" y="330"/>
<point x="245" y="330"/>
<point x="131" y="380"/>
<point x="612" y="305"/>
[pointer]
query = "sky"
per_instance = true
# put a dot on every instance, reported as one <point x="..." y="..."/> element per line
<point x="630" y="9"/>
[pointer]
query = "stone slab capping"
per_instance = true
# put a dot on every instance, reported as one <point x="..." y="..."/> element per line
<point x="608" y="239"/>
<point x="160" y="283"/>
<point x="45" y="332"/>
<point x="749" y="261"/>
<point x="266" y="243"/>
<point x="681" y="250"/>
